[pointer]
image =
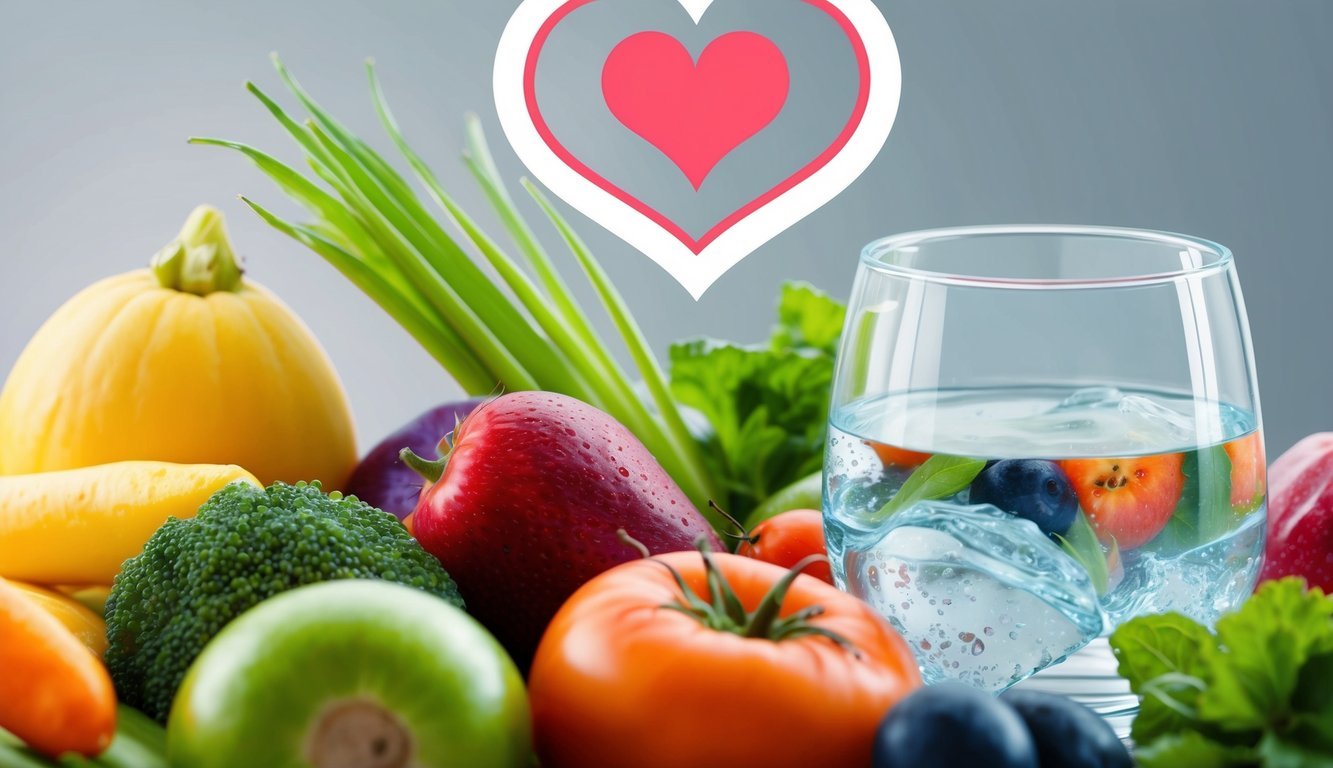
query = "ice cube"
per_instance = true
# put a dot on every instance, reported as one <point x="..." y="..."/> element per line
<point x="1152" y="422"/>
<point x="981" y="596"/>
<point x="1090" y="397"/>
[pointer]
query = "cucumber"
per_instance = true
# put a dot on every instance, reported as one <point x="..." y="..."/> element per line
<point x="139" y="743"/>
<point x="15" y="755"/>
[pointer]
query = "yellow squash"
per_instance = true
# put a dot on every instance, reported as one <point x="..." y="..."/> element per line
<point x="77" y="526"/>
<point x="73" y="615"/>
<point x="185" y="362"/>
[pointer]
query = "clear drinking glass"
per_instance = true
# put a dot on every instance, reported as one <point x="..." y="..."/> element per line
<point x="1036" y="434"/>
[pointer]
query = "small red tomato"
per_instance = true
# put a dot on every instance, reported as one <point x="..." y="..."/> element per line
<point x="787" y="539"/>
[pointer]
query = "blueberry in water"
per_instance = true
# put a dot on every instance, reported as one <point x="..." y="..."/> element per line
<point x="1031" y="489"/>
<point x="1066" y="733"/>
<point x="953" y="724"/>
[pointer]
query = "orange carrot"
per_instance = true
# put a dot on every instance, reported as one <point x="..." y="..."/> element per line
<point x="55" y="694"/>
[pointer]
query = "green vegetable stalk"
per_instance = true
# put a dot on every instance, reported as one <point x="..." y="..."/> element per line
<point x="499" y="322"/>
<point x="523" y="331"/>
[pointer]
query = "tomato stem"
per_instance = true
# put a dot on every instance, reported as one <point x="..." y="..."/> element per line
<point x="723" y="611"/>
<point x="430" y="470"/>
<point x="744" y="535"/>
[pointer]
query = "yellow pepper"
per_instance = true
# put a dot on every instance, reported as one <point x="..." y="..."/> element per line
<point x="77" y="526"/>
<point x="74" y="615"/>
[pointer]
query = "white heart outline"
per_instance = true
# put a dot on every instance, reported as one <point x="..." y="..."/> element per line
<point x="697" y="272"/>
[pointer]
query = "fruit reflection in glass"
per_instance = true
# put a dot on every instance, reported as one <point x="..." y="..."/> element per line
<point x="1036" y="434"/>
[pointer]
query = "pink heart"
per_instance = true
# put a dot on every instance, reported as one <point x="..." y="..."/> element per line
<point x="696" y="114"/>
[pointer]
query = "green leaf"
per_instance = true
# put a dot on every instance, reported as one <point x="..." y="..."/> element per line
<point x="1216" y="517"/>
<point x="1280" y="751"/>
<point x="1165" y="660"/>
<point x="768" y="410"/>
<point x="1314" y="687"/>
<point x="1181" y="533"/>
<point x="767" y="405"/>
<point x="1264" y="646"/>
<point x="1080" y="542"/>
<point x="1191" y="749"/>
<point x="939" y="477"/>
<point x="1260" y="692"/>
<point x="808" y="319"/>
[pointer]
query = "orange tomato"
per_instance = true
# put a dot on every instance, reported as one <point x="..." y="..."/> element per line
<point x="787" y="539"/>
<point x="55" y="695"/>
<point x="622" y="679"/>
<point x="1248" y="474"/>
<point x="897" y="457"/>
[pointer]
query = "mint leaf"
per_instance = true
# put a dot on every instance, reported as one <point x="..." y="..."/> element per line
<point x="1264" y="647"/>
<point x="1258" y="693"/>
<point x="1314" y="688"/>
<point x="1278" y="751"/>
<point x="1194" y="750"/>
<point x="1080" y="542"/>
<point x="938" y="477"/>
<point x="1215" y="515"/>
<point x="1306" y="737"/>
<point x="1165" y="660"/>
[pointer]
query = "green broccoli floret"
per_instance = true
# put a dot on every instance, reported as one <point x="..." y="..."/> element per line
<point x="245" y="545"/>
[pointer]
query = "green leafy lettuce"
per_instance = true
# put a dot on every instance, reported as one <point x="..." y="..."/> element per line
<point x="767" y="404"/>
<point x="1257" y="692"/>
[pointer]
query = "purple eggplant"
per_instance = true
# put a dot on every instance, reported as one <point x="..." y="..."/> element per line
<point x="383" y="480"/>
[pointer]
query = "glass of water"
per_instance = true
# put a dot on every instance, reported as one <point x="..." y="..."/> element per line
<point x="1036" y="434"/>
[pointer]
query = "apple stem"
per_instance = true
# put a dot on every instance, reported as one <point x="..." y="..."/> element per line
<point x="634" y="543"/>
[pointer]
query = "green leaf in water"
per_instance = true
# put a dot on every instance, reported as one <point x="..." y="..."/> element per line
<point x="1080" y="542"/>
<point x="939" y="477"/>
<point x="1214" y="478"/>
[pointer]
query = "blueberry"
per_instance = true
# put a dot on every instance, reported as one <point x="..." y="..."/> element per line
<point x="1067" y="734"/>
<point x="952" y="724"/>
<point x="1031" y="489"/>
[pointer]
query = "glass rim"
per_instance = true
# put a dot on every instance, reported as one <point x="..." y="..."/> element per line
<point x="1209" y="256"/>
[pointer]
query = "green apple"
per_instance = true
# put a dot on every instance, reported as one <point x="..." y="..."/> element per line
<point x="351" y="674"/>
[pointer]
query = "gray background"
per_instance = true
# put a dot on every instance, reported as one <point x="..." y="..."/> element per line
<point x="1213" y="117"/>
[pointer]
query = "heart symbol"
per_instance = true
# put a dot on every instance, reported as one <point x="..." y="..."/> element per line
<point x="697" y="262"/>
<point x="696" y="114"/>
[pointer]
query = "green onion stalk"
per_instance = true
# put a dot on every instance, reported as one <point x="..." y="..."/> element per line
<point x="522" y="329"/>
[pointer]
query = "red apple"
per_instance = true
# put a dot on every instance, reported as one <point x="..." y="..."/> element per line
<point x="527" y="506"/>
<point x="1300" y="513"/>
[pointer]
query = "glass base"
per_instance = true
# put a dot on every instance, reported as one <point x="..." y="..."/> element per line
<point x="1089" y="677"/>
